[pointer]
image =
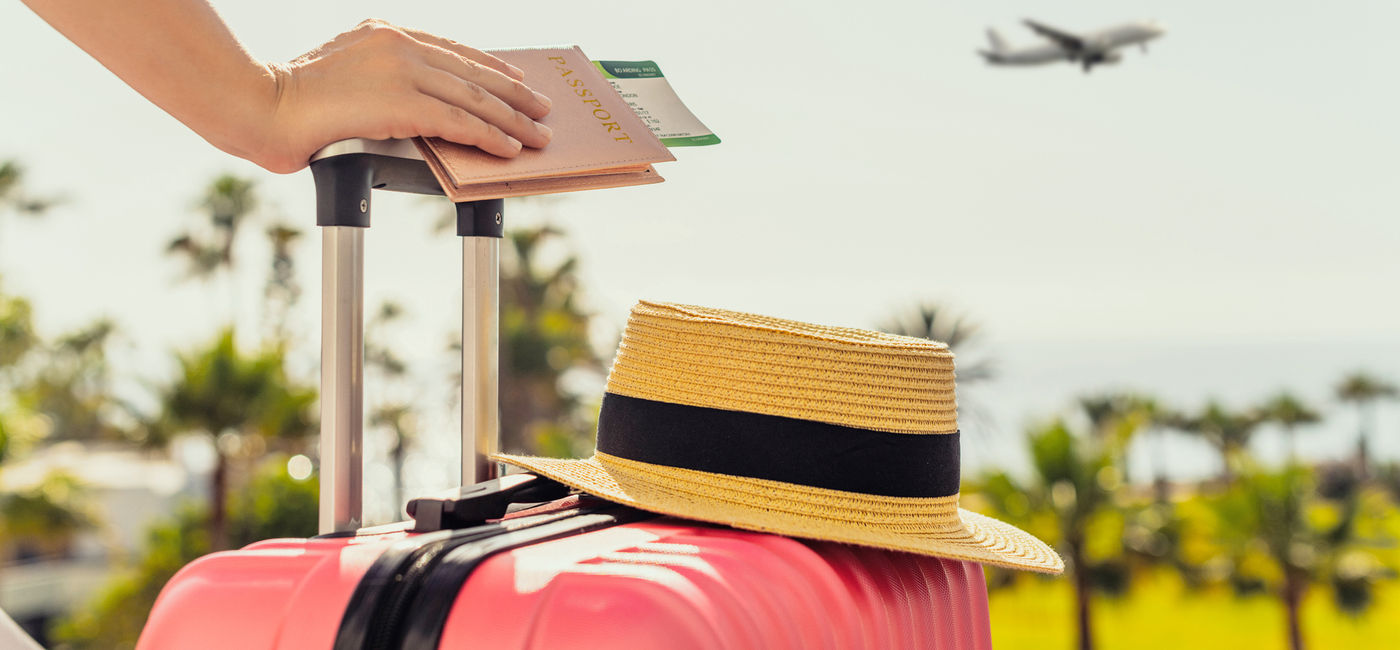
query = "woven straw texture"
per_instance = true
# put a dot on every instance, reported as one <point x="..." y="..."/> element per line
<point x="742" y="362"/>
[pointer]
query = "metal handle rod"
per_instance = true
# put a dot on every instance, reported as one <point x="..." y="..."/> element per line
<point x="481" y="323"/>
<point x="342" y="377"/>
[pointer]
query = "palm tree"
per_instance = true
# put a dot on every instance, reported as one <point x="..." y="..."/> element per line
<point x="67" y="381"/>
<point x="1364" y="391"/>
<point x="234" y="398"/>
<point x="1114" y="419"/>
<point x="46" y="517"/>
<point x="1071" y="485"/>
<point x="13" y="196"/>
<point x="401" y="421"/>
<point x="1272" y="517"/>
<point x="208" y="248"/>
<point x="380" y="357"/>
<point x="282" y="291"/>
<point x="544" y="337"/>
<point x="396" y="417"/>
<point x="17" y="340"/>
<point x="17" y="334"/>
<point x="544" y="334"/>
<point x="1228" y="431"/>
<point x="220" y="391"/>
<point x="1158" y="421"/>
<point x="72" y="387"/>
<point x="1288" y="412"/>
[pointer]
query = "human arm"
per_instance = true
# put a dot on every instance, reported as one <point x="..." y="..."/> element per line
<point x="374" y="81"/>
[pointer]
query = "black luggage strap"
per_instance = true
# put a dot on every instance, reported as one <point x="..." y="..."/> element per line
<point x="427" y="616"/>
<point x="404" y="598"/>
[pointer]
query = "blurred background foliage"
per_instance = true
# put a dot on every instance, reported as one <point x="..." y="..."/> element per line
<point x="1280" y="534"/>
<point x="1256" y="556"/>
<point x="270" y="505"/>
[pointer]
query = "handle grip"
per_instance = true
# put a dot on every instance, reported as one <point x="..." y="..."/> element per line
<point x="471" y="505"/>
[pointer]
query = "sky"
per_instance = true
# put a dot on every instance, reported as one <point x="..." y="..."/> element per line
<point x="1220" y="208"/>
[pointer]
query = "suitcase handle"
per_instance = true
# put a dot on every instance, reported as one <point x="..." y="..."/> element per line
<point x="472" y="505"/>
<point x="346" y="173"/>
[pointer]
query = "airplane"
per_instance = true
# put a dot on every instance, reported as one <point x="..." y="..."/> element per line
<point x="1088" y="49"/>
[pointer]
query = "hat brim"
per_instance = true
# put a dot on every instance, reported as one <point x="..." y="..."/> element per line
<point x="928" y="526"/>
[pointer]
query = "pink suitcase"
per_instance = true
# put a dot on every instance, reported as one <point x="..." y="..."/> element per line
<point x="570" y="572"/>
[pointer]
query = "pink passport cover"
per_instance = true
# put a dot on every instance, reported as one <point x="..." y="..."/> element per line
<point x="598" y="141"/>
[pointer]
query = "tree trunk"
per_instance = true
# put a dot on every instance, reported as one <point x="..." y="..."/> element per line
<point x="1363" y="462"/>
<point x="397" y="458"/>
<point x="1081" y="595"/>
<point x="1292" y="445"/>
<point x="218" y="495"/>
<point x="1293" y="586"/>
<point x="1227" y="471"/>
<point x="1161" y="490"/>
<point x="516" y="406"/>
<point x="1159" y="482"/>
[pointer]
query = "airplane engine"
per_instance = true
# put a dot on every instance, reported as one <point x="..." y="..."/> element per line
<point x="1100" y="56"/>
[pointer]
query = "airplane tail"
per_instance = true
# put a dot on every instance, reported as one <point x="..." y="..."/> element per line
<point x="998" y="43"/>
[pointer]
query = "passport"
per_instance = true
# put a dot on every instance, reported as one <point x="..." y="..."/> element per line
<point x="599" y="142"/>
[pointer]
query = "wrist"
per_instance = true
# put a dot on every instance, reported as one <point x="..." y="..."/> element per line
<point x="250" y="121"/>
<point x="256" y="126"/>
<point x="273" y="141"/>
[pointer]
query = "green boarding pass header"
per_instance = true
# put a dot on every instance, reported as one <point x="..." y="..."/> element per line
<point x="651" y="97"/>
<point x="629" y="69"/>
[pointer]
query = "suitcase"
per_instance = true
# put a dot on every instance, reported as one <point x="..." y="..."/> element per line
<point x="515" y="561"/>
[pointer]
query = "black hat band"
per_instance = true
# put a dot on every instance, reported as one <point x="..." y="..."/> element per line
<point x="776" y="448"/>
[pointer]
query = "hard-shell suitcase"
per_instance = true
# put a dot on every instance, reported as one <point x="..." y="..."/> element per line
<point x="570" y="572"/>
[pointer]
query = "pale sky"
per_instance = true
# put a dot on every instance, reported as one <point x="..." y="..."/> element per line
<point x="1235" y="183"/>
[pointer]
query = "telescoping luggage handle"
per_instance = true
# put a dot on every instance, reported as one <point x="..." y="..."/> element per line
<point x="346" y="173"/>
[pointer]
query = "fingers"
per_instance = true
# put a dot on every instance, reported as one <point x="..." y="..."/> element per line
<point x="484" y="105"/>
<point x="511" y="91"/>
<point x="467" y="52"/>
<point x="451" y="122"/>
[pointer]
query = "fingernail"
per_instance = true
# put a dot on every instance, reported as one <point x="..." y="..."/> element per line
<point x="539" y="97"/>
<point x="514" y="144"/>
<point x="516" y="72"/>
<point x="547" y="132"/>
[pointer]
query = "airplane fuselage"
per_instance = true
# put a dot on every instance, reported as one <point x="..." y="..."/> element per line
<point x="1033" y="55"/>
<point x="1090" y="48"/>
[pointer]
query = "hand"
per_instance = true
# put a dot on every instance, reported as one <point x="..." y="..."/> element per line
<point x="381" y="81"/>
<point x="375" y="81"/>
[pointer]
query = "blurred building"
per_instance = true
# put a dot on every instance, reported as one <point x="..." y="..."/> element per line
<point x="127" y="489"/>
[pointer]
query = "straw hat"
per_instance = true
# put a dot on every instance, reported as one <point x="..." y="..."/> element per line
<point x="819" y="432"/>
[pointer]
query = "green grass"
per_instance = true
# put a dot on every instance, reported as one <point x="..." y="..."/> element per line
<point x="1160" y="613"/>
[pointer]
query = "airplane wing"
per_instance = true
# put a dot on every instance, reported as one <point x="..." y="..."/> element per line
<point x="1064" y="39"/>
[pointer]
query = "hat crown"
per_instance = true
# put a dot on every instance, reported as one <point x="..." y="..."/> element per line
<point x="720" y="359"/>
